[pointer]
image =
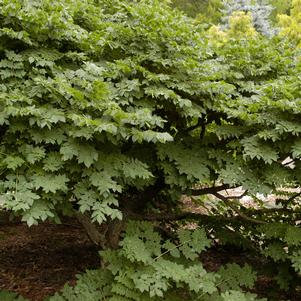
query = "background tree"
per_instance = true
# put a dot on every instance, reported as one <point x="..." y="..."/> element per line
<point x="212" y="11"/>
<point x="203" y="10"/>
<point x="290" y="24"/>
<point x="240" y="25"/>
<point x="260" y="11"/>
<point x="280" y="7"/>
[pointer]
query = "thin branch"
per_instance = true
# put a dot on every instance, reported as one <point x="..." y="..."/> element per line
<point x="288" y="162"/>
<point x="208" y="190"/>
<point x="169" y="217"/>
<point x="293" y="197"/>
<point x="169" y="250"/>
<point x="165" y="216"/>
<point x="271" y="210"/>
<point x="237" y="197"/>
<point x="227" y="201"/>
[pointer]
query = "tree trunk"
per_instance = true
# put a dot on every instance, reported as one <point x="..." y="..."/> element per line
<point x="106" y="236"/>
<point x="93" y="231"/>
<point x="114" y="229"/>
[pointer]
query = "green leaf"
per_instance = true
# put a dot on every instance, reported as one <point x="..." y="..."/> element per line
<point x="104" y="182"/>
<point x="296" y="149"/>
<point x="50" y="182"/>
<point x="239" y="296"/>
<point x="87" y="154"/>
<point x="233" y="277"/>
<point x="52" y="162"/>
<point x="13" y="162"/>
<point x="192" y="243"/>
<point x="33" y="154"/>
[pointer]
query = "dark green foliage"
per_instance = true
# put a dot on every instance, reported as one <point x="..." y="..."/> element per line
<point x="84" y="105"/>
<point x="8" y="296"/>
<point x="97" y="122"/>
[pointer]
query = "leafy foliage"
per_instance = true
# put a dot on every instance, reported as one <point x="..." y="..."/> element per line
<point x="144" y="269"/>
<point x="76" y="115"/>
<point x="290" y="24"/>
<point x="8" y="296"/>
<point x="201" y="10"/>
<point x="240" y="25"/>
<point x="107" y="105"/>
<point x="280" y="7"/>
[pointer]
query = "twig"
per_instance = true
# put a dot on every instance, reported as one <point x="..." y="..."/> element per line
<point x="242" y="215"/>
<point x="293" y="197"/>
<point x="169" y="250"/>
<point x="237" y="197"/>
<point x="209" y="190"/>
<point x="288" y="163"/>
<point x="168" y="217"/>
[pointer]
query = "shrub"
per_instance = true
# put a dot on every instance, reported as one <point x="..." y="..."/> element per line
<point x="112" y="110"/>
<point x="290" y="24"/>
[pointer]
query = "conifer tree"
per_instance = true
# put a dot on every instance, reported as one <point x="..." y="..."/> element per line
<point x="259" y="9"/>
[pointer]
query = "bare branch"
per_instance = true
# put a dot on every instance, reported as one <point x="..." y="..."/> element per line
<point x="164" y="216"/>
<point x="227" y="201"/>
<point x="208" y="190"/>
<point x="293" y="197"/>
<point x="287" y="162"/>
<point x="169" y="217"/>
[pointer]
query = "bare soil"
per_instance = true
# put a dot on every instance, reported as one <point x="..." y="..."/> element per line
<point x="36" y="262"/>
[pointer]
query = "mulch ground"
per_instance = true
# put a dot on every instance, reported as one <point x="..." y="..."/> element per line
<point x="36" y="262"/>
